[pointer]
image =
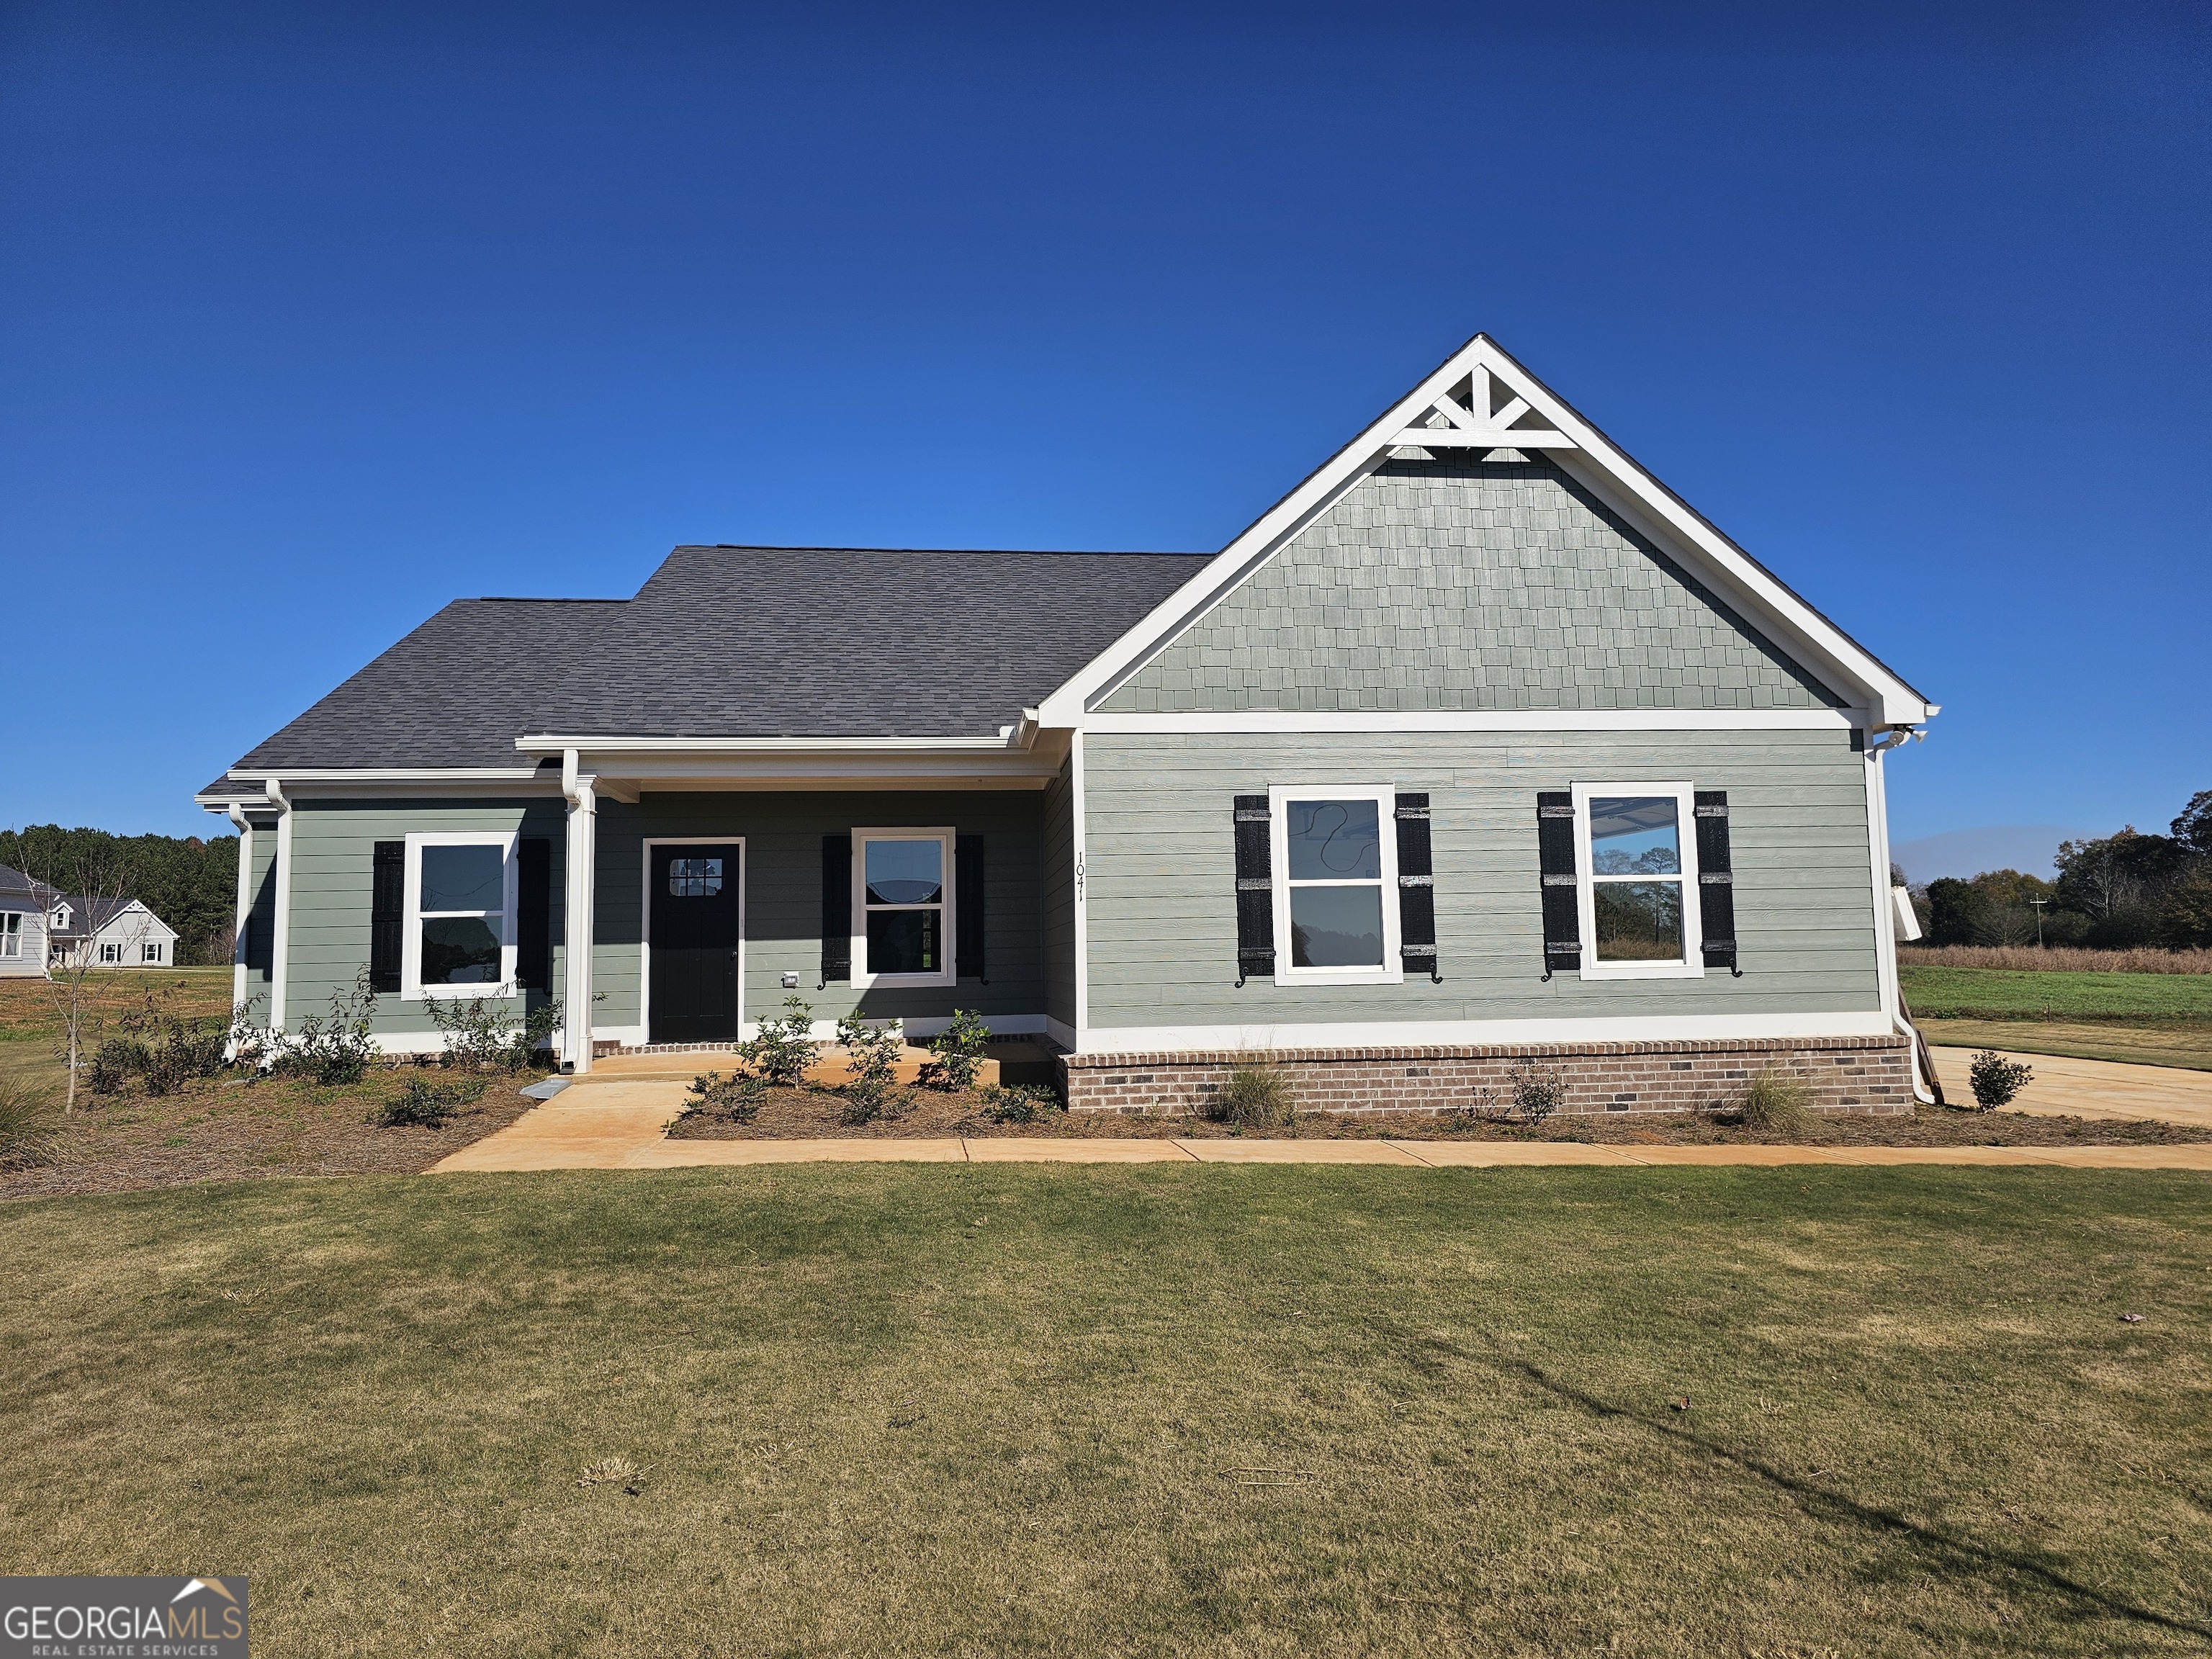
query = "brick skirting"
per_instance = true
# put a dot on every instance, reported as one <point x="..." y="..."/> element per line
<point x="1845" y="1074"/>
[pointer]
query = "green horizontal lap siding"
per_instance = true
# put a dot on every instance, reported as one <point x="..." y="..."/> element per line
<point x="1159" y="863"/>
<point x="260" y="873"/>
<point x="783" y="894"/>
<point x="333" y="861"/>
<point x="1060" y="897"/>
<point x="1458" y="584"/>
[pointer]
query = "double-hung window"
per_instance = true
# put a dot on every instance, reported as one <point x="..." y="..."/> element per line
<point x="1336" y="863"/>
<point x="460" y="937"/>
<point x="111" y="950"/>
<point x="151" y="952"/>
<point x="902" y="901"/>
<point x="1638" y="864"/>
<point x="11" y="934"/>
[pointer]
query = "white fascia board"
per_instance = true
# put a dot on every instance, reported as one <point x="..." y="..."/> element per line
<point x="1456" y="1033"/>
<point x="1262" y="722"/>
<point x="1767" y="602"/>
<point x="597" y="747"/>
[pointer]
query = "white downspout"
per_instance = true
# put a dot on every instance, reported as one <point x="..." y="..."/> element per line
<point x="1886" y="919"/>
<point x="577" y="917"/>
<point x="280" y="930"/>
<point x="237" y="815"/>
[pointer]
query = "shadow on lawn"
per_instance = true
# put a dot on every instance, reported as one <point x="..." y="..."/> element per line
<point x="1960" y="1552"/>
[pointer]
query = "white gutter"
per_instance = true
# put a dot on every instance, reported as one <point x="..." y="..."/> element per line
<point x="1884" y="919"/>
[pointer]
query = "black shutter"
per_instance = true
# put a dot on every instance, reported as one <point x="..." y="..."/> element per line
<point x="1715" y="881"/>
<point x="533" y="914"/>
<point x="1555" y="853"/>
<point x="837" y="908"/>
<point x="967" y="881"/>
<point x="1256" y="889"/>
<point x="1417" y="889"/>
<point x="387" y="905"/>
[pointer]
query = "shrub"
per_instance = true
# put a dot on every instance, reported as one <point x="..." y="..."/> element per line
<point x="1018" y="1103"/>
<point x="1995" y="1080"/>
<point x="482" y="1032"/>
<point x="871" y="1070"/>
<point x="422" y="1104"/>
<point x="166" y="1049"/>
<point x="1253" y="1095"/>
<point x="28" y="1126"/>
<point x="1774" y="1102"/>
<point x="337" y="1051"/>
<point x="736" y="1097"/>
<point x="1538" y="1091"/>
<point x="956" y="1053"/>
<point x="783" y="1048"/>
<point x="119" y="1060"/>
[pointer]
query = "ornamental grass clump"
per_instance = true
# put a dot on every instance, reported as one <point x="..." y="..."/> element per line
<point x="1995" y="1080"/>
<point x="1775" y="1102"/>
<point x="29" y="1125"/>
<point x="1254" y="1096"/>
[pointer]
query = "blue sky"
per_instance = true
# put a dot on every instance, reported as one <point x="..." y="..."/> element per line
<point x="313" y="318"/>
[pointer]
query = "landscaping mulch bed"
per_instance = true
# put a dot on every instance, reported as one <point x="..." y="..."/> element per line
<point x="236" y="1128"/>
<point x="811" y="1113"/>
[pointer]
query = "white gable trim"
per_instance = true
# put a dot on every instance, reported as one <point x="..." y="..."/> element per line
<point x="1586" y="454"/>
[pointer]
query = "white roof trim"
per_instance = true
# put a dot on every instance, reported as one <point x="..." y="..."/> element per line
<point x="1852" y="672"/>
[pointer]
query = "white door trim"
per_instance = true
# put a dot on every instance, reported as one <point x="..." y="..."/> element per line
<point x="645" y="919"/>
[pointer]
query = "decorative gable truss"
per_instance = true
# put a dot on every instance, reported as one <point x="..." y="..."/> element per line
<point x="1482" y="399"/>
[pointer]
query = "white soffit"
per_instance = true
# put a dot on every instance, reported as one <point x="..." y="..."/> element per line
<point x="1481" y="399"/>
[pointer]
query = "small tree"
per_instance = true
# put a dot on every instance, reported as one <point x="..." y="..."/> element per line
<point x="89" y="877"/>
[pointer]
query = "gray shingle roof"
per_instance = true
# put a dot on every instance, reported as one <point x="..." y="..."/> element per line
<point x="739" y="641"/>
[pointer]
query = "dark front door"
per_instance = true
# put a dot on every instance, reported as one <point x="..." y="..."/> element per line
<point x="694" y="891"/>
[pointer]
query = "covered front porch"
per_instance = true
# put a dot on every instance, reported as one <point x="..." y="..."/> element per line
<point x="705" y="889"/>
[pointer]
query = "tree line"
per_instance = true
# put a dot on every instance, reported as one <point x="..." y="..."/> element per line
<point x="191" y="884"/>
<point x="2119" y="892"/>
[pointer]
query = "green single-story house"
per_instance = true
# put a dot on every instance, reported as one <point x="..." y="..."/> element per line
<point x="1479" y="745"/>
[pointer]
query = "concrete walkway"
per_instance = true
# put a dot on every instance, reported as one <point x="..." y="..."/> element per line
<point x="2093" y="1088"/>
<point x="620" y="1124"/>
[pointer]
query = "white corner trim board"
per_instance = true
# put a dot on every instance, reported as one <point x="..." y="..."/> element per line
<point x="1438" y="1033"/>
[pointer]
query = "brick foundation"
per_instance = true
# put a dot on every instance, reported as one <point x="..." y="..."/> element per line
<point x="1846" y="1074"/>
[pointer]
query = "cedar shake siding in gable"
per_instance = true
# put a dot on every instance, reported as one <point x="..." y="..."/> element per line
<point x="1447" y="585"/>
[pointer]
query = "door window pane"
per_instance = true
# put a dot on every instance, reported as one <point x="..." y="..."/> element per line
<point x="1334" y="840"/>
<point x="904" y="941"/>
<point x="1638" y="920"/>
<point x="905" y="872"/>
<point x="460" y="951"/>
<point x="1336" y="927"/>
<point x="695" y="878"/>
<point x="1634" y="836"/>
<point x="463" y="878"/>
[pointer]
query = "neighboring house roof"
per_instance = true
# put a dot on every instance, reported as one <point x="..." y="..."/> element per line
<point x="90" y="917"/>
<point x="18" y="890"/>
<point x="738" y="642"/>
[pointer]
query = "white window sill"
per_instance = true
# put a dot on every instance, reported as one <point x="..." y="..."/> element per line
<point x="894" y="982"/>
<point x="1643" y="970"/>
<point x="1340" y="977"/>
<point x="458" y="993"/>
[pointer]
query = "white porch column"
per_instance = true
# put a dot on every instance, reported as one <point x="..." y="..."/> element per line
<point x="245" y="907"/>
<point x="576" y="935"/>
<point x="280" y="926"/>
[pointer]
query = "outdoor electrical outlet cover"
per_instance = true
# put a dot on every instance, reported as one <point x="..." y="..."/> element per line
<point x="791" y="981"/>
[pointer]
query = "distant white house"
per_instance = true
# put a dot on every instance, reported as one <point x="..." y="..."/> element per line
<point x="22" y="926"/>
<point x="41" y="927"/>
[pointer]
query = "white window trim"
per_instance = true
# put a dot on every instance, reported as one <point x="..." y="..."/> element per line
<point x="1392" y="971"/>
<point x="1692" y="962"/>
<point x="411" y="989"/>
<point x="645" y="923"/>
<point x="11" y="935"/>
<point x="951" y="974"/>
<point x="111" y="950"/>
<point x="150" y="951"/>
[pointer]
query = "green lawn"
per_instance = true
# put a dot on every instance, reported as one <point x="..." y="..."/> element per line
<point x="981" y="1410"/>
<point x="2003" y="994"/>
